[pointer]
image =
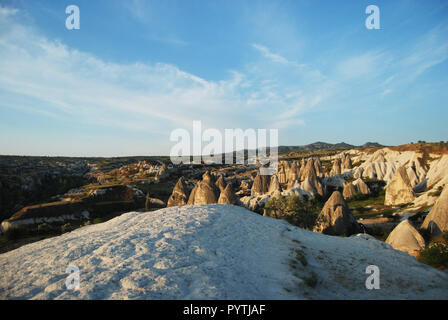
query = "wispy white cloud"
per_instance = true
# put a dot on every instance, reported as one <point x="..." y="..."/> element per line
<point x="369" y="64"/>
<point x="64" y="82"/>
<point x="139" y="9"/>
<point x="270" y="91"/>
<point x="429" y="51"/>
<point x="266" y="52"/>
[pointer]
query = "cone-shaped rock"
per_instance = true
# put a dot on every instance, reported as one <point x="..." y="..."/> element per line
<point x="336" y="218"/>
<point x="318" y="168"/>
<point x="282" y="175"/>
<point x="336" y="169"/>
<point x="302" y="168"/>
<point x="179" y="195"/>
<point x="208" y="177"/>
<point x="228" y="197"/>
<point x="220" y="183"/>
<point x="293" y="172"/>
<point x="192" y="195"/>
<point x="406" y="238"/>
<point x="260" y="185"/>
<point x="437" y="219"/>
<point x="347" y="165"/>
<point x="274" y="185"/>
<point x="349" y="191"/>
<point x="399" y="190"/>
<point x="205" y="192"/>
<point x="310" y="175"/>
<point x="308" y="186"/>
<point x="362" y="187"/>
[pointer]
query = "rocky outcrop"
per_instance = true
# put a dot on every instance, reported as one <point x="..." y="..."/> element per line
<point x="437" y="219"/>
<point x="336" y="218"/>
<point x="260" y="185"/>
<point x="336" y="169"/>
<point x="246" y="184"/>
<point x="274" y="185"/>
<point x="162" y="173"/>
<point x="349" y="191"/>
<point x="399" y="190"/>
<point x="155" y="203"/>
<point x="281" y="174"/>
<point x="101" y="201"/>
<point x="179" y="196"/>
<point x="318" y="168"/>
<point x="361" y="186"/>
<point x="220" y="183"/>
<point x="228" y="197"/>
<point x="205" y="192"/>
<point x="383" y="163"/>
<point x="302" y="168"/>
<point x="32" y="216"/>
<point x="311" y="182"/>
<point x="347" y="163"/>
<point x="293" y="172"/>
<point x="406" y="238"/>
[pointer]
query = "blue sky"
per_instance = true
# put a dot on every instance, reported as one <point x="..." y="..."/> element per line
<point x="136" y="70"/>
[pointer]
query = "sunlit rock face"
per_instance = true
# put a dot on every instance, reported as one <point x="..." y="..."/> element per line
<point x="399" y="190"/>
<point x="336" y="218"/>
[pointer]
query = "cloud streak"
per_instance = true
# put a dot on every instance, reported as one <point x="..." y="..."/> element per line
<point x="154" y="98"/>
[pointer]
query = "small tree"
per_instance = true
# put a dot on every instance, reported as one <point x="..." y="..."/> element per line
<point x="297" y="211"/>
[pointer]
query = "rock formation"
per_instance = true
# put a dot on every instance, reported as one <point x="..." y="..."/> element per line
<point x="361" y="186"/>
<point x="179" y="195"/>
<point x="347" y="163"/>
<point x="205" y="192"/>
<point x="349" y="191"/>
<point x="383" y="163"/>
<point x="163" y="172"/>
<point x="260" y="185"/>
<point x="293" y="172"/>
<point x="310" y="174"/>
<point x="336" y="169"/>
<point x="274" y="185"/>
<point x="228" y="197"/>
<point x="220" y="183"/>
<point x="399" y="190"/>
<point x="302" y="168"/>
<point x="437" y="219"/>
<point x="281" y="174"/>
<point x="246" y="184"/>
<point x="406" y="238"/>
<point x="336" y="218"/>
<point x="318" y="168"/>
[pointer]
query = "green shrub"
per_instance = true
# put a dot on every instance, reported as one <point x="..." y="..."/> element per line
<point x="298" y="212"/>
<point x="98" y="220"/>
<point x="67" y="227"/>
<point x="436" y="254"/>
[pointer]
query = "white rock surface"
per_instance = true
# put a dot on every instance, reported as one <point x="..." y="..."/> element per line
<point x="382" y="164"/>
<point x="211" y="252"/>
